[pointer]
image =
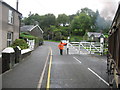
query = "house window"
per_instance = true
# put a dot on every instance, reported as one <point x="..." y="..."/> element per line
<point x="9" y="38"/>
<point x="10" y="17"/>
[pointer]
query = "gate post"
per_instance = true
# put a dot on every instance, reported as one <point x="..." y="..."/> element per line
<point x="68" y="45"/>
<point x="8" y="59"/>
<point x="90" y="47"/>
<point x="101" y="45"/>
<point x="79" y="47"/>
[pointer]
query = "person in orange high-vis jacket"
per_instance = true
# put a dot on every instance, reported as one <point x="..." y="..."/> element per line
<point x="61" y="47"/>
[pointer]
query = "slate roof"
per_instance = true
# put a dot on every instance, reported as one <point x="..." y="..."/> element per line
<point x="27" y="28"/>
<point x="95" y="34"/>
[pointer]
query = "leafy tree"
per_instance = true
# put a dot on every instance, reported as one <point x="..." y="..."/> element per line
<point x="62" y="19"/>
<point x="80" y="24"/>
<point x="92" y="15"/>
<point x="49" y="19"/>
<point x="88" y="11"/>
<point x="71" y="17"/>
<point x="31" y="20"/>
<point x="65" y="31"/>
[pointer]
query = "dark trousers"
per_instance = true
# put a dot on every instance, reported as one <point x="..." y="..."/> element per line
<point x="61" y="51"/>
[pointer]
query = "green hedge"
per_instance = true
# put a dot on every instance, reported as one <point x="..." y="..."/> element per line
<point x="21" y="43"/>
<point x="25" y="35"/>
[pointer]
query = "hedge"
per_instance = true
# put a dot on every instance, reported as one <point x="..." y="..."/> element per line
<point x="21" y="43"/>
<point x="25" y="35"/>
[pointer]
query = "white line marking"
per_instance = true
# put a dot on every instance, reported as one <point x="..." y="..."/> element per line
<point x="98" y="76"/>
<point x="77" y="60"/>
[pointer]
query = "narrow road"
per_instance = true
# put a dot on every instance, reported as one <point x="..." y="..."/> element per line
<point x="67" y="71"/>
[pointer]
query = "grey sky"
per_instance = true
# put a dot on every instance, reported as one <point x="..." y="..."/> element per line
<point x="107" y="8"/>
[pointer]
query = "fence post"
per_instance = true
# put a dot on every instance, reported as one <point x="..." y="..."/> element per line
<point x="17" y="54"/>
<point x="79" y="47"/>
<point x="67" y="46"/>
<point x="90" y="47"/>
<point x="101" y="45"/>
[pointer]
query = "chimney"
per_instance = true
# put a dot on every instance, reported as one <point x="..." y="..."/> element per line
<point x="17" y="5"/>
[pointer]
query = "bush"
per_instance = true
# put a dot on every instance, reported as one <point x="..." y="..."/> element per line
<point x="21" y="43"/>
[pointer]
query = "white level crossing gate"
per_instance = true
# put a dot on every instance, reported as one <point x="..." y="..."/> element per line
<point x="85" y="48"/>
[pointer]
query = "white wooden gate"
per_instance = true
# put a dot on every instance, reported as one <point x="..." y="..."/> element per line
<point x="31" y="44"/>
<point x="85" y="48"/>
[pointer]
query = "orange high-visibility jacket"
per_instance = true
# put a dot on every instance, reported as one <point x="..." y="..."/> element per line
<point x="61" y="46"/>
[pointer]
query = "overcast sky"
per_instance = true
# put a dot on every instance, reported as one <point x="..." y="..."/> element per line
<point x="106" y="8"/>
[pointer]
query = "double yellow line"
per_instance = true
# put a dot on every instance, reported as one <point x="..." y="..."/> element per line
<point x="49" y="71"/>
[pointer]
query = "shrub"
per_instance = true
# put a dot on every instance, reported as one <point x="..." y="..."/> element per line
<point x="21" y="43"/>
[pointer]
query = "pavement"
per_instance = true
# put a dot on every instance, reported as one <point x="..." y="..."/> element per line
<point x="67" y="71"/>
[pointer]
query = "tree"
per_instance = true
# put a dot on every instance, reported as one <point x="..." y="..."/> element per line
<point x="62" y="19"/>
<point x="88" y="11"/>
<point x="31" y="20"/>
<point x="49" y="19"/>
<point x="92" y="15"/>
<point x="80" y="24"/>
